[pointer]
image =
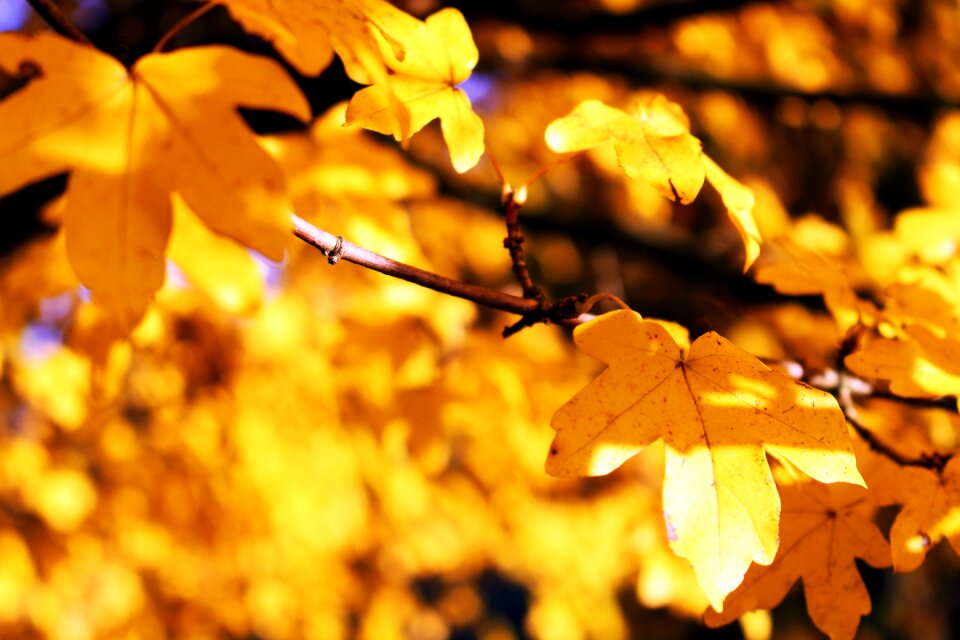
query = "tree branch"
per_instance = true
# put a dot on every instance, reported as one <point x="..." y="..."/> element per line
<point x="328" y="244"/>
<point x="512" y="201"/>
<point x="842" y="385"/>
<point x="51" y="14"/>
<point x="933" y="462"/>
<point x="533" y="311"/>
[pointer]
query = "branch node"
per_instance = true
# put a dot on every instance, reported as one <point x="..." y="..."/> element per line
<point x="334" y="255"/>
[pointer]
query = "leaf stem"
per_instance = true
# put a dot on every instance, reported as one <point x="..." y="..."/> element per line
<point x="58" y="21"/>
<point x="182" y="24"/>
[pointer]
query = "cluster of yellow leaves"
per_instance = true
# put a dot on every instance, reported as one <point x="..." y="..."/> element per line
<point x="134" y="139"/>
<point x="414" y="67"/>
<point x="419" y="479"/>
<point x="303" y="470"/>
<point x="302" y="474"/>
<point x="130" y="139"/>
<point x="894" y="296"/>
<point x="718" y="410"/>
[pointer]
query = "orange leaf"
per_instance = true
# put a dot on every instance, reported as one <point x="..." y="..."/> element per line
<point x="797" y="270"/>
<point x="718" y="409"/>
<point x="929" y="514"/>
<point x="132" y="137"/>
<point x="824" y="529"/>
<point x="921" y="365"/>
<point x="653" y="143"/>
<point x="438" y="55"/>
<point x="308" y="32"/>
<point x="739" y="201"/>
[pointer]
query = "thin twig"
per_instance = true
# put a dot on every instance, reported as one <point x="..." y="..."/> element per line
<point x="182" y="24"/>
<point x="846" y="386"/>
<point x="327" y="242"/>
<point x="539" y="173"/>
<point x="565" y="311"/>
<point x="935" y="462"/>
<point x="512" y="201"/>
<point x="53" y="16"/>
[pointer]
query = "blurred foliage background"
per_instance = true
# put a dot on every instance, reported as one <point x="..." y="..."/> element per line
<point x="298" y="451"/>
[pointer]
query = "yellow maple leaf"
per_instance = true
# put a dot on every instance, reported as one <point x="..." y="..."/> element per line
<point x="130" y="138"/>
<point x="439" y="54"/>
<point x="739" y="201"/>
<point x="920" y="365"/>
<point x="308" y="32"/>
<point x="654" y="144"/>
<point x="824" y="529"/>
<point x="929" y="499"/>
<point x="797" y="270"/>
<point x="718" y="409"/>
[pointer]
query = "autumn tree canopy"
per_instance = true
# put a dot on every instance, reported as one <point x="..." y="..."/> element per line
<point x="598" y="319"/>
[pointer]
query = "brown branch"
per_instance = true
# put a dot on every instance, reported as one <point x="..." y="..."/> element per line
<point x="328" y="244"/>
<point x="51" y="14"/>
<point x="934" y="462"/>
<point x="512" y="201"/>
<point x="565" y="311"/>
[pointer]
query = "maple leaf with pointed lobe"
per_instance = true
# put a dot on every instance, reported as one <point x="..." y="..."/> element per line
<point x="929" y="497"/>
<point x="308" y="32"/>
<point x="824" y="528"/>
<point x="439" y="54"/>
<point x="718" y="410"/>
<point x="654" y="144"/>
<point x="131" y="137"/>
<point x="920" y="364"/>
<point x="794" y="270"/>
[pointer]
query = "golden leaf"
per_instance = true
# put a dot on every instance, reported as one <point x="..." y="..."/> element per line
<point x="654" y="145"/>
<point x="739" y="201"/>
<point x="824" y="529"/>
<point x="797" y="270"/>
<point x="929" y="499"/>
<point x="130" y="138"/>
<point x="921" y="365"/>
<point x="307" y="32"/>
<point x="718" y="409"/>
<point x="439" y="55"/>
